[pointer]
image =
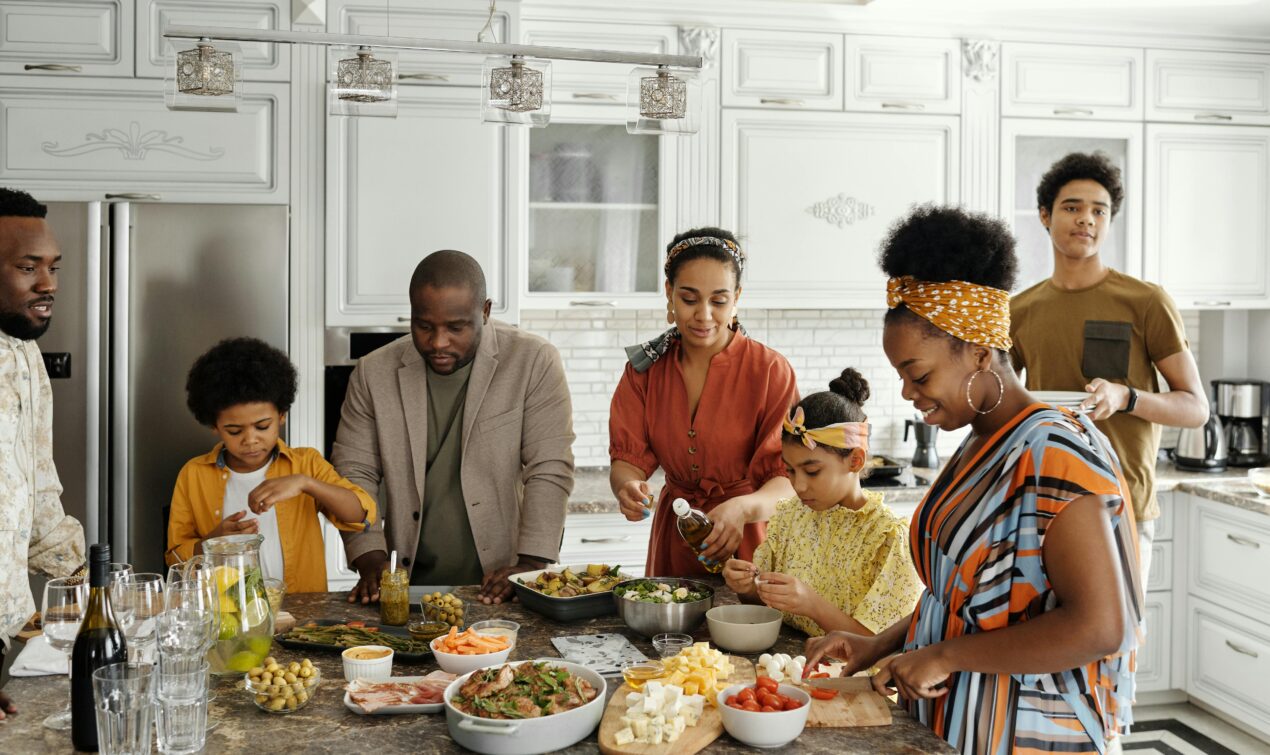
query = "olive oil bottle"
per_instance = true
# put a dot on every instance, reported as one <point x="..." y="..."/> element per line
<point x="99" y="643"/>
<point x="694" y="527"/>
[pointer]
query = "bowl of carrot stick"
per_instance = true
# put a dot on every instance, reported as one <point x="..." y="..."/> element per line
<point x="461" y="652"/>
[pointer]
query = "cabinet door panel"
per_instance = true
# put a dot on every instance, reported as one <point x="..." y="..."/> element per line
<point x="261" y="61"/>
<point x="93" y="35"/>
<point x="1208" y="86"/>
<point x="1230" y="556"/>
<point x="75" y="138"/>
<point x="1071" y="81"/>
<point x="812" y="235"/>
<point x="1154" y="656"/>
<point x="1228" y="662"/>
<point x="398" y="188"/>
<point x="1207" y="231"/>
<point x="893" y="74"/>
<point x="782" y="69"/>
<point x="574" y="81"/>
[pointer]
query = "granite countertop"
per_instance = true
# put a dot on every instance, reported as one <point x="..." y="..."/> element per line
<point x="591" y="494"/>
<point x="326" y="726"/>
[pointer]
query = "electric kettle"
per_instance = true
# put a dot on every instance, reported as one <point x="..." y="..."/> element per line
<point x="1202" y="449"/>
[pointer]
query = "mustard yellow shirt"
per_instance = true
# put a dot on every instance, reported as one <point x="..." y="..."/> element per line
<point x="857" y="560"/>
<point x="200" y="492"/>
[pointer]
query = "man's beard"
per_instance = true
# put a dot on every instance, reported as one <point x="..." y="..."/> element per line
<point x="21" y="327"/>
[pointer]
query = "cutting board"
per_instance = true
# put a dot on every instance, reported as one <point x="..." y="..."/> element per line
<point x="856" y="705"/>
<point x="694" y="738"/>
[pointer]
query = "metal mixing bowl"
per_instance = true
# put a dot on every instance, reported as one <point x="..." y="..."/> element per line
<point x="654" y="618"/>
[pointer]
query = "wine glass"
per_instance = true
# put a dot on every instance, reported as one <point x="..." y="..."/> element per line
<point x="62" y="612"/>
<point x="144" y="595"/>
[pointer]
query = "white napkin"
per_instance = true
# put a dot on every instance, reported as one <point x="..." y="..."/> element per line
<point x="39" y="658"/>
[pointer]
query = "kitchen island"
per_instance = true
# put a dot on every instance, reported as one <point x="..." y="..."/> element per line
<point x="325" y="725"/>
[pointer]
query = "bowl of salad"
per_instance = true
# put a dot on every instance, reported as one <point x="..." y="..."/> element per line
<point x="654" y="605"/>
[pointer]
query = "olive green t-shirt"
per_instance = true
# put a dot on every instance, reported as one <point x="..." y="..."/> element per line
<point x="447" y="551"/>
<point x="1117" y="329"/>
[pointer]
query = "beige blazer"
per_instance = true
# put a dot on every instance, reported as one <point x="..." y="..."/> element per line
<point x="517" y="446"/>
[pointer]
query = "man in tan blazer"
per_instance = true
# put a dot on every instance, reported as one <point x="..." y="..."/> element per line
<point x="464" y="433"/>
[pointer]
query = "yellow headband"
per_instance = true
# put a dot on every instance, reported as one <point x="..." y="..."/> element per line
<point x="844" y="435"/>
<point x="975" y="314"/>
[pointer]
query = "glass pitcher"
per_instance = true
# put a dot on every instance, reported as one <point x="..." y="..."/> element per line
<point x="244" y="633"/>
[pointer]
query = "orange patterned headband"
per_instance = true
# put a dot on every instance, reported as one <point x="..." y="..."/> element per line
<point x="728" y="246"/>
<point x="975" y="314"/>
<point x="839" y="435"/>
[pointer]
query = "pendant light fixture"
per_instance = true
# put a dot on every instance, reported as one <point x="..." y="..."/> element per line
<point x="516" y="91"/>
<point x="204" y="77"/>
<point x="662" y="101"/>
<point x="362" y="82"/>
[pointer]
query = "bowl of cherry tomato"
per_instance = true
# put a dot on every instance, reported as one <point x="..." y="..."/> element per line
<point x="764" y="714"/>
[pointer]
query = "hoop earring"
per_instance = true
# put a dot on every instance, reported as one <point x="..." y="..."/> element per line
<point x="1000" y="391"/>
<point x="670" y="314"/>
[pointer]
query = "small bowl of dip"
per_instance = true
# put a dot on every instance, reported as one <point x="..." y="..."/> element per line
<point x="371" y="662"/>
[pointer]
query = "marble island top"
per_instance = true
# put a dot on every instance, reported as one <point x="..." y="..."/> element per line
<point x="326" y="726"/>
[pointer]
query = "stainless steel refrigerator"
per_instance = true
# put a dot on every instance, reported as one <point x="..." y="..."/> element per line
<point x="144" y="289"/>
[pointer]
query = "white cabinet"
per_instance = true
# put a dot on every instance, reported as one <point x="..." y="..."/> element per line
<point x="424" y="19"/>
<point x="608" y="539"/>
<point x="1230" y="557"/>
<point x="1207" y="231"/>
<point x="596" y="83"/>
<point x="812" y="235"/>
<point x="1228" y="663"/>
<point x="75" y="138"/>
<point x="782" y="69"/>
<point x="1028" y="148"/>
<point x="1215" y="87"/>
<point x="260" y="61"/>
<point x="398" y="188"/>
<point x="899" y="74"/>
<point x="340" y="577"/>
<point x="66" y="37"/>
<point x="1071" y="81"/>
<point x="1153" y="674"/>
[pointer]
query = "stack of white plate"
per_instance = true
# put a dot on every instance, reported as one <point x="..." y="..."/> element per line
<point x="1065" y="399"/>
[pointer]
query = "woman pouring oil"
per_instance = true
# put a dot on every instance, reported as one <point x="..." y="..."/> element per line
<point x="704" y="402"/>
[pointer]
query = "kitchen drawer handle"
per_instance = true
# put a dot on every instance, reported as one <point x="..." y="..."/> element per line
<point x="135" y="195"/>
<point x="1212" y="303"/>
<point x="1072" y="111"/>
<point x="903" y="106"/>
<point x="594" y="96"/>
<point x="52" y="67"/>
<point x="1243" y="651"/>
<point x="622" y="539"/>
<point x="422" y="77"/>
<point x="779" y="101"/>
<point x="593" y="303"/>
<point x="1242" y="541"/>
<point x="1213" y="117"/>
<point x="403" y="319"/>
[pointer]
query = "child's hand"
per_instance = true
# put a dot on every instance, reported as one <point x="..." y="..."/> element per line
<point x="739" y="575"/>
<point x="786" y="593"/>
<point x="234" y="524"/>
<point x="270" y="492"/>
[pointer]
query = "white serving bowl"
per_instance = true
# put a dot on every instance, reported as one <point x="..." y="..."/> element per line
<point x="372" y="669"/>
<point x="764" y="729"/>
<point x="744" y="628"/>
<point x="1259" y="477"/>
<point x="465" y="664"/>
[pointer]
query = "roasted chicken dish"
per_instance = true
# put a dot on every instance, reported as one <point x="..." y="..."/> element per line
<point x="529" y="690"/>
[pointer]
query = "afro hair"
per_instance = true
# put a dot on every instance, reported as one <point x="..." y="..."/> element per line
<point x="239" y="371"/>
<point x="19" y="204"/>
<point x="1078" y="166"/>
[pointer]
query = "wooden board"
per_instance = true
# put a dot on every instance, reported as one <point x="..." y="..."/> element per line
<point x="694" y="738"/>
<point x="856" y="705"/>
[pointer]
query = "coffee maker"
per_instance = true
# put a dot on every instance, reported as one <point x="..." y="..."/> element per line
<point x="1244" y="409"/>
<point x="925" y="455"/>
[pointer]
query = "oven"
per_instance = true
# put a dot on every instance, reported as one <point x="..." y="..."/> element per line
<point x="344" y="346"/>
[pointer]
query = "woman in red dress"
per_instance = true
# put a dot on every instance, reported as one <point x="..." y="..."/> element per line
<point x="704" y="402"/>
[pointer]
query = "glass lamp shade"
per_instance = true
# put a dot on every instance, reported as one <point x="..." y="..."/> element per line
<point x="206" y="76"/>
<point x="662" y="101"/>
<point x="362" y="83"/>
<point x="516" y="91"/>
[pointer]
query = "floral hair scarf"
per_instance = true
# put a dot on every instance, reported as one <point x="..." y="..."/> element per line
<point x="973" y="313"/>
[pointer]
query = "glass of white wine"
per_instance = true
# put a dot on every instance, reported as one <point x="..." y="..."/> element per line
<point x="60" y="616"/>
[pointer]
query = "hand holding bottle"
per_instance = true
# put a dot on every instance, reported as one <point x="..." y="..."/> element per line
<point x="729" y="519"/>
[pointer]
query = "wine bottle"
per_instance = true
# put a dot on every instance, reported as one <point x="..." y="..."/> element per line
<point x="694" y="527"/>
<point x="100" y="642"/>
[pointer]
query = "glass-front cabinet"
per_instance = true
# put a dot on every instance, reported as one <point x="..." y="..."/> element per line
<point x="600" y="211"/>
<point x="1028" y="148"/>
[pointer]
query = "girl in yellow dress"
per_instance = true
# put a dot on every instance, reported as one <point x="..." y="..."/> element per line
<point x="836" y="557"/>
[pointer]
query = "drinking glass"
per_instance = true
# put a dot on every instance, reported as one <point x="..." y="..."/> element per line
<point x="61" y="614"/>
<point x="124" y="702"/>
<point x="180" y="705"/>
<point x="144" y="595"/>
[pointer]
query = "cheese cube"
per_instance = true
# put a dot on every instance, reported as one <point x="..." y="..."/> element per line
<point x="624" y="736"/>
<point x="633" y="698"/>
<point x="640" y="727"/>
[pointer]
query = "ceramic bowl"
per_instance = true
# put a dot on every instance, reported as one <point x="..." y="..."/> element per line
<point x="367" y="668"/>
<point x="744" y="628"/>
<point x="464" y="664"/>
<point x="764" y="729"/>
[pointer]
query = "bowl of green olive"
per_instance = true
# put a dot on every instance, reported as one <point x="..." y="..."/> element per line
<point x="282" y="688"/>
<point x="446" y="607"/>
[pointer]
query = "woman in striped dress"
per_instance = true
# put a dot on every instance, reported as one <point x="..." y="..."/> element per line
<point x="1024" y="638"/>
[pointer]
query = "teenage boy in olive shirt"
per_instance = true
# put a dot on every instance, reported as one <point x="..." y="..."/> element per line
<point x="1091" y="328"/>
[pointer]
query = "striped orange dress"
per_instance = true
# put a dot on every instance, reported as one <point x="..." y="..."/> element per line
<point x="977" y="540"/>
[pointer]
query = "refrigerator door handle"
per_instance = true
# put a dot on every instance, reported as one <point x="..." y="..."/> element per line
<point x="120" y="254"/>
<point x="93" y="509"/>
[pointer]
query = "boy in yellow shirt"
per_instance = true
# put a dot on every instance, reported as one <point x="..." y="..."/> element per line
<point x="242" y="389"/>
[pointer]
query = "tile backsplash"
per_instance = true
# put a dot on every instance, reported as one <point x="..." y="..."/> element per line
<point x="817" y="343"/>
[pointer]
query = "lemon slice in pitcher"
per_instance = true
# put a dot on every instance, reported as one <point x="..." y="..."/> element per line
<point x="256" y="612"/>
<point x="225" y="577"/>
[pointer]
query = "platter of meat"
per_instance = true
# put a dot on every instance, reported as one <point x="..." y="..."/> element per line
<point x="398" y="694"/>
